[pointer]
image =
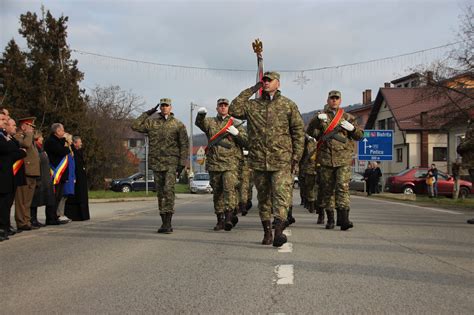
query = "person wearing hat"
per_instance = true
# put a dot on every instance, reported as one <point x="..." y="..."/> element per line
<point x="276" y="141"/>
<point x="169" y="149"/>
<point x="334" y="155"/>
<point x="24" y="194"/>
<point x="223" y="161"/>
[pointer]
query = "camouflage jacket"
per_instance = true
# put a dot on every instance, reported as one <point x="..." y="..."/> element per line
<point x="308" y="161"/>
<point x="275" y="129"/>
<point x="466" y="148"/>
<point x="333" y="152"/>
<point x="219" y="158"/>
<point x="169" y="144"/>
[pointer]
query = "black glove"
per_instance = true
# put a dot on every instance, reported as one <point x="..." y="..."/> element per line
<point x="257" y="87"/>
<point x="153" y="110"/>
<point x="179" y="169"/>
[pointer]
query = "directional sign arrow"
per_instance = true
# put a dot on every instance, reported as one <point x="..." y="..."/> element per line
<point x="366" y="146"/>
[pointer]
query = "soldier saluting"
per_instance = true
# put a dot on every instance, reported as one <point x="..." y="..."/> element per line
<point x="276" y="140"/>
<point x="169" y="149"/>
<point x="223" y="161"/>
<point x="335" y="131"/>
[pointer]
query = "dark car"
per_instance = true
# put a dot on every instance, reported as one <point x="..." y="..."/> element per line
<point x="357" y="183"/>
<point x="135" y="182"/>
<point x="412" y="181"/>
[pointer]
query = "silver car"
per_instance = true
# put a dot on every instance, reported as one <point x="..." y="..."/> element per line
<point x="200" y="183"/>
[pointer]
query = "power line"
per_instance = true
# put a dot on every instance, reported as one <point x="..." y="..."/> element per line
<point x="253" y="70"/>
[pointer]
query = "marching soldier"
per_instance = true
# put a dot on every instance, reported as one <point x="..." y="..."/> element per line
<point x="169" y="149"/>
<point x="223" y="162"/>
<point x="276" y="140"/>
<point x="335" y="131"/>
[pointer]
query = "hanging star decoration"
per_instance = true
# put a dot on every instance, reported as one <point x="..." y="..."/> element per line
<point x="301" y="80"/>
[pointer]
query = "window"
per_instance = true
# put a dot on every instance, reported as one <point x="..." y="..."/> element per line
<point x="381" y="124"/>
<point x="132" y="143"/>
<point x="458" y="141"/>
<point x="400" y="155"/>
<point x="390" y="124"/>
<point x="440" y="154"/>
<point x="421" y="173"/>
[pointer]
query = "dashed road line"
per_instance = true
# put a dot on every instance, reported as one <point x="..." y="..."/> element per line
<point x="284" y="274"/>
<point x="286" y="248"/>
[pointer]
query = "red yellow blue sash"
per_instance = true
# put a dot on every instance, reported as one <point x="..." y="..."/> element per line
<point x="332" y="125"/>
<point x="57" y="173"/>
<point x="16" y="166"/>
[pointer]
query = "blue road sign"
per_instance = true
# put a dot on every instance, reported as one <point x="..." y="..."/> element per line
<point x="377" y="145"/>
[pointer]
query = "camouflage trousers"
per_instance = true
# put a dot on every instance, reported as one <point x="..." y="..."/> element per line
<point x="309" y="187"/>
<point x="224" y="190"/>
<point x="244" y="191"/>
<point x="274" y="192"/>
<point x="335" y="184"/>
<point x="164" y="183"/>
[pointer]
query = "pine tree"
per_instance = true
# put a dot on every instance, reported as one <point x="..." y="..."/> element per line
<point x="13" y="74"/>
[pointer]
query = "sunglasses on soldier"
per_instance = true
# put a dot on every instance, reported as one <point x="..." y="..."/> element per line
<point x="334" y="97"/>
<point x="164" y="105"/>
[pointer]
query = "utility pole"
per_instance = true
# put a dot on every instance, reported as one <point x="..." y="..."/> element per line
<point x="146" y="165"/>
<point x="191" y="172"/>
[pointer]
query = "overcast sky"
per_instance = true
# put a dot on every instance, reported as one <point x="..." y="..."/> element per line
<point x="296" y="35"/>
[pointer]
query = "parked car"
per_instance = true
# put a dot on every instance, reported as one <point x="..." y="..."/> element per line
<point x="135" y="182"/>
<point x="200" y="183"/>
<point x="412" y="181"/>
<point x="357" y="183"/>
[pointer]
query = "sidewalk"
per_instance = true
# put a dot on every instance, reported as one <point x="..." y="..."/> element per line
<point x="152" y="197"/>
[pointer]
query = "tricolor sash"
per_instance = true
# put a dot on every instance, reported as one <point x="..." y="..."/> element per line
<point x="16" y="166"/>
<point x="334" y="122"/>
<point x="57" y="173"/>
<point x="218" y="136"/>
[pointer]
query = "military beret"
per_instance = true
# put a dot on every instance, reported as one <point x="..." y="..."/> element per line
<point x="272" y="75"/>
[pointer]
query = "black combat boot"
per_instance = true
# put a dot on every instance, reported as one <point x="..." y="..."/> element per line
<point x="311" y="208"/>
<point x="234" y="219"/>
<point x="470" y="221"/>
<point x="267" y="233"/>
<point x="243" y="209"/>
<point x="220" y="222"/>
<point x="249" y="205"/>
<point x="338" y="218"/>
<point x="320" y="213"/>
<point x="330" y="223"/>
<point x="162" y="228"/>
<point x="279" y="239"/>
<point x="345" y="223"/>
<point x="290" y="219"/>
<point x="169" y="228"/>
<point x="228" y="220"/>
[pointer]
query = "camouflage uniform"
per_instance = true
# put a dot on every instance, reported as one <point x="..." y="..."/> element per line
<point x="335" y="159"/>
<point x="308" y="168"/>
<point x="245" y="186"/>
<point x="276" y="140"/>
<point x="221" y="162"/>
<point x="169" y="149"/>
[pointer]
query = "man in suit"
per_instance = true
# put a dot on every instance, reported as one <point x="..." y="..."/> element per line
<point x="57" y="150"/>
<point x="24" y="194"/>
<point x="9" y="154"/>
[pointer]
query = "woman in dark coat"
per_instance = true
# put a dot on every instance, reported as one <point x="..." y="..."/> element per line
<point x="44" y="193"/>
<point x="77" y="206"/>
<point x="368" y="177"/>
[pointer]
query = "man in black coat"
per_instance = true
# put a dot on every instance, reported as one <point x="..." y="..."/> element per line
<point x="77" y="206"/>
<point x="56" y="148"/>
<point x="10" y="152"/>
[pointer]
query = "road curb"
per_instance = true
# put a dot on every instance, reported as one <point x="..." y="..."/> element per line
<point x="107" y="200"/>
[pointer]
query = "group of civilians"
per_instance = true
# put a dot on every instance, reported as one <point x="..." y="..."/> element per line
<point x="372" y="176"/>
<point x="35" y="172"/>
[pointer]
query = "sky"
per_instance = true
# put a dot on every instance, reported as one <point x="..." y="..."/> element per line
<point x="297" y="36"/>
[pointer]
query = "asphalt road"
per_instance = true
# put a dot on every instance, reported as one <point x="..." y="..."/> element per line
<point x="398" y="259"/>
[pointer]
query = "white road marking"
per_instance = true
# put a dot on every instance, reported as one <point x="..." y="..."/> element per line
<point x="286" y="248"/>
<point x="410" y="205"/>
<point x="287" y="232"/>
<point x="284" y="274"/>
